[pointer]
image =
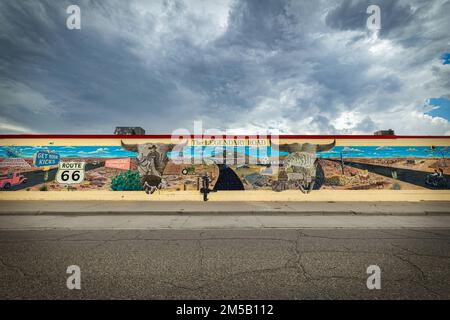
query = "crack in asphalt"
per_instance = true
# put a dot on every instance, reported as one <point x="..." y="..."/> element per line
<point x="298" y="256"/>
<point x="415" y="266"/>
<point x="202" y="254"/>
<point x="14" y="268"/>
<point x="143" y="239"/>
<point x="402" y="236"/>
<point x="304" y="234"/>
<point x="428" y="289"/>
<point x="412" y="252"/>
<point x="295" y="259"/>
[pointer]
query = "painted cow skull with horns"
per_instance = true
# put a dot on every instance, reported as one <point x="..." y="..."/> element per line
<point x="151" y="161"/>
<point x="301" y="165"/>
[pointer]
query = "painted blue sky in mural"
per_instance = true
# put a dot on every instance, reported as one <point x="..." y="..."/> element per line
<point x="68" y="151"/>
<point x="118" y="152"/>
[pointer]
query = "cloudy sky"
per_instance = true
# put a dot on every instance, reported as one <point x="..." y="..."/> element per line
<point x="300" y="67"/>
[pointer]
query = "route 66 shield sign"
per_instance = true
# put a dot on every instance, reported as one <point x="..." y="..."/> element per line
<point x="70" y="172"/>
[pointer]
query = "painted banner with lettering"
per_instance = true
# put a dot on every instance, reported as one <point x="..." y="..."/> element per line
<point x="122" y="164"/>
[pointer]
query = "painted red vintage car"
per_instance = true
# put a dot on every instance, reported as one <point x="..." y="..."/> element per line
<point x="9" y="180"/>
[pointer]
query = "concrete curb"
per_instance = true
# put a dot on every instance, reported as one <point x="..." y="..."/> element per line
<point x="221" y="213"/>
<point x="180" y="208"/>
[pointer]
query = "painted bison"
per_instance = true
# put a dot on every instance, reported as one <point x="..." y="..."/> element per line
<point x="301" y="168"/>
<point x="151" y="161"/>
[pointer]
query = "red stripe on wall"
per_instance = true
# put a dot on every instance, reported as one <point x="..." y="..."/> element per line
<point x="168" y="136"/>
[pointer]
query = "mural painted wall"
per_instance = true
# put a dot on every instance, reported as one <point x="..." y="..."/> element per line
<point x="149" y="165"/>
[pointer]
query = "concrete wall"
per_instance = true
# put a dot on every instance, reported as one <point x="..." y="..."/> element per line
<point x="355" y="163"/>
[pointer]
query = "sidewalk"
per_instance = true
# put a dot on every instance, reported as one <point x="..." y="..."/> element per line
<point x="233" y="196"/>
<point x="221" y="208"/>
<point x="204" y="222"/>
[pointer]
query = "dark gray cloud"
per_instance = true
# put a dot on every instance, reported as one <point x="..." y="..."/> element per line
<point x="293" y="66"/>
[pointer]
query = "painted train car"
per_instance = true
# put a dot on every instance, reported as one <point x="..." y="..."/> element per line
<point x="148" y="163"/>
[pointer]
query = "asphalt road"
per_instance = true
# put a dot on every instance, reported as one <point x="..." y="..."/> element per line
<point x="224" y="208"/>
<point x="269" y="263"/>
<point x="37" y="177"/>
<point x="228" y="179"/>
<point x="407" y="175"/>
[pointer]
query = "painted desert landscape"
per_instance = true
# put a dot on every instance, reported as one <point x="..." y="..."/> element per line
<point x="342" y="168"/>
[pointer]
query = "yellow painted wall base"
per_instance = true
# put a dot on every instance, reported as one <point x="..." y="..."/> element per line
<point x="260" y="195"/>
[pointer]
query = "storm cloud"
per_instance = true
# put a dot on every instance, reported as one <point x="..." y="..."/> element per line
<point x="301" y="67"/>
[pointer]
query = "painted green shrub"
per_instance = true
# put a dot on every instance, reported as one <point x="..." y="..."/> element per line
<point x="128" y="181"/>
